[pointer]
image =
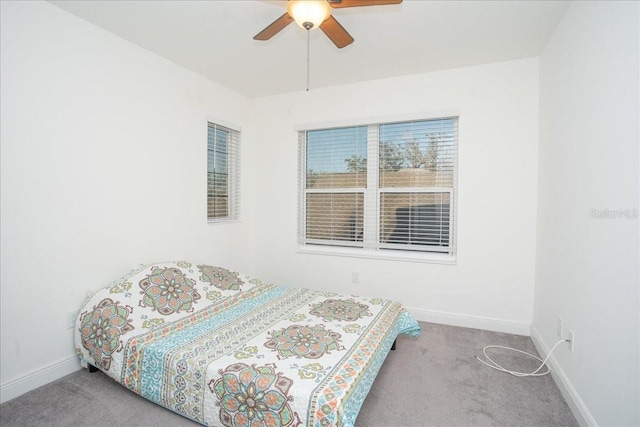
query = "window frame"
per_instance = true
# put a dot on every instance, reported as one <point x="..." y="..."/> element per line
<point x="371" y="247"/>
<point x="232" y="166"/>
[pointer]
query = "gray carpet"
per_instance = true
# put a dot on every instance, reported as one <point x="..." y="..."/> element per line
<point x="433" y="380"/>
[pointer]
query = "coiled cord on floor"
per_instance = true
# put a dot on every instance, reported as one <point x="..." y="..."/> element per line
<point x="492" y="364"/>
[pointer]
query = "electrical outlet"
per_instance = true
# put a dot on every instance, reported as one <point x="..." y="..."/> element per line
<point x="355" y="277"/>
<point x="572" y="340"/>
<point x="559" y="327"/>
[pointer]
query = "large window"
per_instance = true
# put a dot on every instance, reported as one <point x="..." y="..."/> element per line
<point x="223" y="179"/>
<point x="380" y="187"/>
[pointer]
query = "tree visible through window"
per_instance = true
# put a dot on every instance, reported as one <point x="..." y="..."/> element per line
<point x="381" y="186"/>
<point x="222" y="173"/>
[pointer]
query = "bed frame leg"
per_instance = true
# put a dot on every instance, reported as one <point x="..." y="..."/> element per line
<point x="92" y="368"/>
<point x="393" y="346"/>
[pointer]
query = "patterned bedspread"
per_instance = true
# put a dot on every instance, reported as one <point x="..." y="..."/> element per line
<point x="225" y="349"/>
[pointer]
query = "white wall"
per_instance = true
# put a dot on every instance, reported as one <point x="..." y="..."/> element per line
<point x="587" y="268"/>
<point x="103" y="168"/>
<point x="492" y="284"/>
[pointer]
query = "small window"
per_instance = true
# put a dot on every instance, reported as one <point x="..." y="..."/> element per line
<point x="381" y="187"/>
<point x="223" y="179"/>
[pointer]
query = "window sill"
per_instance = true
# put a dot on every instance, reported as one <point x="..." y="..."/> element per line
<point x="222" y="221"/>
<point x="408" y="256"/>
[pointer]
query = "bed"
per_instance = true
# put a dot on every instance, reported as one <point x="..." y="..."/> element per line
<point x="225" y="349"/>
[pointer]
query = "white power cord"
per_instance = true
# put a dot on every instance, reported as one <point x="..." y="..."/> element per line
<point x="494" y="365"/>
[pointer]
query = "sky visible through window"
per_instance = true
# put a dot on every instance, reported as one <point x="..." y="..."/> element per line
<point x="329" y="150"/>
<point x="218" y="140"/>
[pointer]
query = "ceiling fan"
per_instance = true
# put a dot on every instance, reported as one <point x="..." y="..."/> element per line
<point x="310" y="14"/>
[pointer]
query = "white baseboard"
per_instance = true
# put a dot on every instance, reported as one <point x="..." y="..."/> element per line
<point x="475" y="322"/>
<point x="38" y="377"/>
<point x="577" y="406"/>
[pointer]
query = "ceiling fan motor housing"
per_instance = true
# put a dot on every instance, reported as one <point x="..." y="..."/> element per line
<point x="310" y="14"/>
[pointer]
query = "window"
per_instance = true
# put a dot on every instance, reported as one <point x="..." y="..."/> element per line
<point x="223" y="179"/>
<point x="380" y="187"/>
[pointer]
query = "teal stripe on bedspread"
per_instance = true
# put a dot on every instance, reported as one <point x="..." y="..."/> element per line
<point x="151" y="380"/>
<point x="407" y="325"/>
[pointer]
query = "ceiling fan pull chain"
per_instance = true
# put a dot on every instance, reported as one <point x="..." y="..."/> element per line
<point x="308" y="44"/>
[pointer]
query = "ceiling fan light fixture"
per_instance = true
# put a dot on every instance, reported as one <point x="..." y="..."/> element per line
<point x="309" y="14"/>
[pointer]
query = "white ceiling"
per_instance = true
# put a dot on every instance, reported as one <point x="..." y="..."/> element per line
<point x="215" y="38"/>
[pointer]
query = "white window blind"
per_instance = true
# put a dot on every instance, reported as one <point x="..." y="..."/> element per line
<point x="384" y="186"/>
<point x="223" y="173"/>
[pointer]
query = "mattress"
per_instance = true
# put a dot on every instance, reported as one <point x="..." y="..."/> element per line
<point x="226" y="349"/>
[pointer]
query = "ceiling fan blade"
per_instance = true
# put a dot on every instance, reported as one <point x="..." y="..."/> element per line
<point x="336" y="32"/>
<point x="355" y="3"/>
<point x="274" y="28"/>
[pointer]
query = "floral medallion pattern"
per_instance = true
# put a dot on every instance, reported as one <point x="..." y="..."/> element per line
<point x="224" y="349"/>
<point x="251" y="396"/>
<point x="168" y="291"/>
<point x="221" y="278"/>
<point x="310" y="342"/>
<point x="102" y="328"/>
<point x="336" y="309"/>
